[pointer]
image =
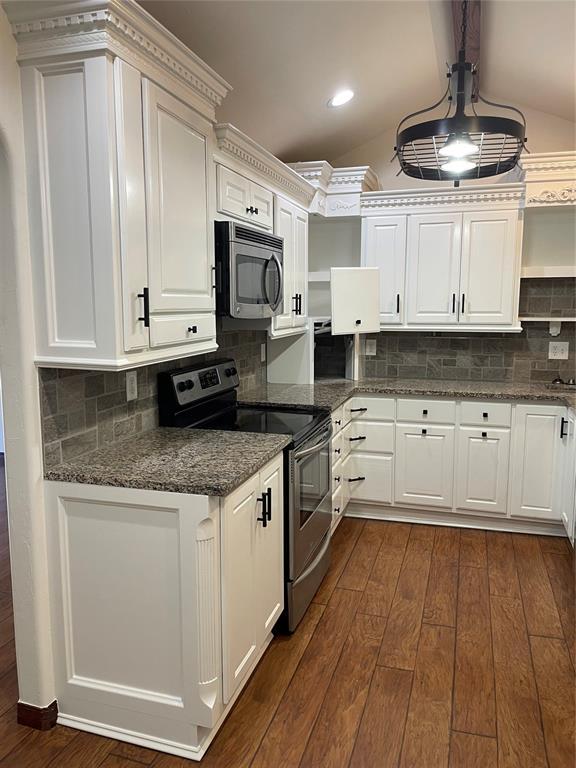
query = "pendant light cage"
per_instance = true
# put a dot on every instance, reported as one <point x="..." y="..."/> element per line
<point x="482" y="145"/>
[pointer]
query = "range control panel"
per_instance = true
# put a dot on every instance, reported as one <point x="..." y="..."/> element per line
<point x="197" y="383"/>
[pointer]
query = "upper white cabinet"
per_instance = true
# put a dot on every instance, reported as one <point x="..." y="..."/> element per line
<point x="244" y="199"/>
<point x="433" y="270"/>
<point x="446" y="258"/>
<point x="355" y="300"/>
<point x="291" y="223"/>
<point x="384" y="246"/>
<point x="121" y="191"/>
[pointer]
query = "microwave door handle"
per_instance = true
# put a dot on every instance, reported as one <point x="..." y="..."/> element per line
<point x="316" y="447"/>
<point x="278" y="298"/>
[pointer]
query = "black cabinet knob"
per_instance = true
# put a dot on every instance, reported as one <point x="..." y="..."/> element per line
<point x="484" y="434"/>
<point x="181" y="386"/>
<point x="192" y="329"/>
<point x="425" y="412"/>
<point x="485" y="415"/>
<point x="358" y="322"/>
<point x="424" y="431"/>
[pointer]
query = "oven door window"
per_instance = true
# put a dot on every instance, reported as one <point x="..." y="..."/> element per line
<point x="257" y="279"/>
<point x="314" y="474"/>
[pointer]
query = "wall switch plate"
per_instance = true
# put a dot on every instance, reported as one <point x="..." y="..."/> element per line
<point x="558" y="350"/>
<point x="131" y="385"/>
<point x="262" y="353"/>
<point x="370" y="347"/>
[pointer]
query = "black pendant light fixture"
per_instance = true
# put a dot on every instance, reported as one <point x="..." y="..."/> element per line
<point x="460" y="145"/>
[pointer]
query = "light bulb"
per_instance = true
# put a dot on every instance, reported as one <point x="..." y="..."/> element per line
<point x="458" y="146"/>
<point x="458" y="165"/>
<point x="340" y="98"/>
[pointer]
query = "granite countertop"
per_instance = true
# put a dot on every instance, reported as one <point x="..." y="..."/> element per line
<point x="198" y="461"/>
<point x="330" y="393"/>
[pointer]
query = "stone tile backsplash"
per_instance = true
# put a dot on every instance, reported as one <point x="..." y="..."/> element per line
<point x="84" y="410"/>
<point x="547" y="296"/>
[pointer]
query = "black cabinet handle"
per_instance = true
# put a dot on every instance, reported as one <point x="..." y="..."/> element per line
<point x="337" y="510"/>
<point x="463" y="302"/>
<point x="485" y="415"/>
<point x="264" y="519"/>
<point x="358" y="322"/>
<point x="563" y="423"/>
<point x="337" y="450"/>
<point x="256" y="211"/>
<point x="337" y="479"/>
<point x="145" y="295"/>
<point x="424" y="431"/>
<point x="268" y="512"/>
<point x="484" y="434"/>
<point x="192" y="329"/>
<point x="299" y="303"/>
<point x="358" y="410"/>
<point x="355" y="479"/>
<point x="453" y="303"/>
<point x="338" y="421"/>
<point x="353" y="439"/>
<point x="295" y="300"/>
<point x="425" y="412"/>
<point x="397" y="303"/>
<point x="251" y="210"/>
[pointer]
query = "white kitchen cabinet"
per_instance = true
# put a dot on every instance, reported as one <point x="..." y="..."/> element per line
<point x="354" y="294"/>
<point x="180" y="245"/>
<point x="252" y="570"/>
<point x="369" y="478"/>
<point x="482" y="468"/>
<point x="568" y="510"/>
<point x="488" y="275"/>
<point x="384" y="247"/>
<point x="433" y="268"/>
<point x="424" y="466"/>
<point x="244" y="199"/>
<point x="537" y="469"/>
<point x="291" y="223"/>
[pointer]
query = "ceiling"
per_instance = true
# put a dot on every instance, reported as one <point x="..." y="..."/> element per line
<point x="285" y="58"/>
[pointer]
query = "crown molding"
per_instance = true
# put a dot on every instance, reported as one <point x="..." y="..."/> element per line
<point x="233" y="142"/>
<point x="317" y="173"/>
<point x="338" y="190"/>
<point x="495" y="195"/>
<point x="44" y="30"/>
<point x="549" y="163"/>
<point x="550" y="179"/>
<point x="556" y="196"/>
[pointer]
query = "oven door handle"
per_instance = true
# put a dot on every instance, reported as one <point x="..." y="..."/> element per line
<point x="316" y="560"/>
<point x="317" y="446"/>
<point x="276" y="303"/>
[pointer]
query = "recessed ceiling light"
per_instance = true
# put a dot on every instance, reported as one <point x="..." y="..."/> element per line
<point x="340" y="98"/>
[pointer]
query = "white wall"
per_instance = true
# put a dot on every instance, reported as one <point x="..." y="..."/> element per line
<point x="20" y="389"/>
<point x="545" y="133"/>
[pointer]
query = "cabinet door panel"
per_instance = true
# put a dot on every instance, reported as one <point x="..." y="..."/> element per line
<point x="263" y="201"/>
<point x="284" y="227"/>
<point x="269" y="554"/>
<point x="376" y="472"/>
<point x="371" y="437"/>
<point x="233" y="193"/>
<point x="180" y="246"/>
<point x="424" y="465"/>
<point x="536" y="462"/>
<point x="569" y="478"/>
<point x="434" y="242"/>
<point x="301" y="265"/>
<point x="384" y="246"/>
<point x="482" y="469"/>
<point x="239" y="630"/>
<point x="488" y="292"/>
<point x="354" y="300"/>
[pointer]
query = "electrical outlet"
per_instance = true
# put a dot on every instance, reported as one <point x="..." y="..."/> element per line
<point x="370" y="347"/>
<point x="558" y="350"/>
<point x="262" y="353"/>
<point x="131" y="385"/>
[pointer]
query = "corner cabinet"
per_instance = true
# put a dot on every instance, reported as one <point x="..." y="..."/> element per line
<point x="446" y="260"/>
<point x="291" y="223"/>
<point x="159" y="660"/>
<point x="120" y="212"/>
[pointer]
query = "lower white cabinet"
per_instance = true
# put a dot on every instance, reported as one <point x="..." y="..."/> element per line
<point x="568" y="508"/>
<point x="252" y="571"/>
<point x="424" y="470"/>
<point x="482" y="466"/>
<point x="369" y="478"/>
<point x="161" y="605"/>
<point x="537" y="468"/>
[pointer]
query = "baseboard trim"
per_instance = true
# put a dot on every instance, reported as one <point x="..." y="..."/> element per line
<point x="459" y="520"/>
<point x="40" y="718"/>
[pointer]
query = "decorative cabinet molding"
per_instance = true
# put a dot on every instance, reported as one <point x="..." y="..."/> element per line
<point x="550" y="179"/>
<point x="124" y="29"/>
<point x="466" y="198"/>
<point x="250" y="155"/>
<point x="338" y="190"/>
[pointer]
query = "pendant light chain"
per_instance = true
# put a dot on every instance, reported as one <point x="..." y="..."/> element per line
<point x="464" y="26"/>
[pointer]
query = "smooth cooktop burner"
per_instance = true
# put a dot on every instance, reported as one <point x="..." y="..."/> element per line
<point x="246" y="419"/>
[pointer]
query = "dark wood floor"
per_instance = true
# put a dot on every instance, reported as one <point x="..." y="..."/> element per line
<point x="425" y="647"/>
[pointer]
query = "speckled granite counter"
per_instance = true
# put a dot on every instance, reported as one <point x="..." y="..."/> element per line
<point x="330" y="393"/>
<point x="207" y="462"/>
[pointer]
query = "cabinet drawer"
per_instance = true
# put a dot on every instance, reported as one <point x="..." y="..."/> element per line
<point x="489" y="414"/>
<point x="371" y="437"/>
<point x="436" y="411"/>
<point x="179" y="329"/>
<point x="338" y="419"/>
<point x="373" y="408"/>
<point x="346" y="444"/>
<point x="369" y="478"/>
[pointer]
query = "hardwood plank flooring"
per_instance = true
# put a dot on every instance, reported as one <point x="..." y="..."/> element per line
<point x="410" y="621"/>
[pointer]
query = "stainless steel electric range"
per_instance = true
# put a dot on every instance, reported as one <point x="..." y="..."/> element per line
<point x="205" y="397"/>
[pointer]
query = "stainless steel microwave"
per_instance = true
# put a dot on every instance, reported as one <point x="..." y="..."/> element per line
<point x="249" y="271"/>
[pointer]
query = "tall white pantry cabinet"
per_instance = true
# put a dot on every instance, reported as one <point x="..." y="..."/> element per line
<point x="118" y="122"/>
